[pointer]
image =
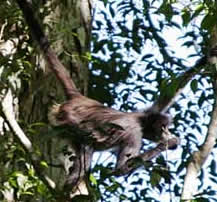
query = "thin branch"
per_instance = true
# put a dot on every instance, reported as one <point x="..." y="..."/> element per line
<point x="2" y="29"/>
<point x="145" y="158"/>
<point x="174" y="88"/>
<point x="161" y="43"/>
<point x="8" y="111"/>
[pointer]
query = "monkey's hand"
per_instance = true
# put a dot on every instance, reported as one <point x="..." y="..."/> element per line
<point x="171" y="143"/>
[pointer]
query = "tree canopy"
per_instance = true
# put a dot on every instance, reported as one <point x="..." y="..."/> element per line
<point x="128" y="55"/>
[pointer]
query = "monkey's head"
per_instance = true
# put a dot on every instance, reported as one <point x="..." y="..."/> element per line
<point x="154" y="124"/>
<point x="155" y="128"/>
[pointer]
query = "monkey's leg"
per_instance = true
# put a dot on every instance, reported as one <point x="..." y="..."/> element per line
<point x="79" y="169"/>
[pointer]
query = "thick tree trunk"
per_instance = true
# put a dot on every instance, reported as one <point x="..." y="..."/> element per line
<point x="35" y="96"/>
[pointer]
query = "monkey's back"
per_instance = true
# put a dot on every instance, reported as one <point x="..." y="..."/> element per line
<point x="108" y="127"/>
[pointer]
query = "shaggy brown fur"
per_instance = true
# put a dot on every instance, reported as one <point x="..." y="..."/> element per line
<point x="107" y="127"/>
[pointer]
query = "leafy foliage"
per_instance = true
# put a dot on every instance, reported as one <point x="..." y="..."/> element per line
<point x="147" y="71"/>
<point x="133" y="60"/>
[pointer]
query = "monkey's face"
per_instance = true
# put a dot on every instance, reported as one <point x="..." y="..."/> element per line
<point x="157" y="130"/>
<point x="154" y="125"/>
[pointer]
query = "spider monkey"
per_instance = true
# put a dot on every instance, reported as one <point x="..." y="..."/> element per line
<point x="106" y="127"/>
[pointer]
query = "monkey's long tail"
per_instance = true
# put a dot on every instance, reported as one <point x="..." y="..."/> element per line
<point x="57" y="67"/>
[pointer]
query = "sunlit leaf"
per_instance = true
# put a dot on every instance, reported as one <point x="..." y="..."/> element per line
<point x="93" y="179"/>
<point x="200" y="8"/>
<point x="155" y="179"/>
<point x="44" y="164"/>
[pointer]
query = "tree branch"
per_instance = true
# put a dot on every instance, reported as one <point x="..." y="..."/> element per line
<point x="174" y="88"/>
<point x="8" y="111"/>
<point x="199" y="157"/>
<point x="141" y="160"/>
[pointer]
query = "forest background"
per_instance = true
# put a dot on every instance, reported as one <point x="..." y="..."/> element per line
<point x="124" y="58"/>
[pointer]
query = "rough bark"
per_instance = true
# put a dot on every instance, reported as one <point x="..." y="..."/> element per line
<point x="42" y="88"/>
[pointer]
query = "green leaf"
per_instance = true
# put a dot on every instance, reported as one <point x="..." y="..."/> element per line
<point x="99" y="45"/>
<point x="209" y="22"/>
<point x="31" y="172"/>
<point x="202" y="99"/>
<point x="147" y="56"/>
<point x="198" y="10"/>
<point x="93" y="179"/>
<point x="201" y="199"/>
<point x="113" y="187"/>
<point x="13" y="182"/>
<point x="17" y="174"/>
<point x="105" y="2"/>
<point x="155" y="179"/>
<point x="186" y="17"/>
<point x="44" y="164"/>
<point x="38" y="124"/>
<point x="167" y="10"/>
<point x="194" y="85"/>
<point x="28" y="193"/>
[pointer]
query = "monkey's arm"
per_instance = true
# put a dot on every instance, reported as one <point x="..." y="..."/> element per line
<point x="133" y="163"/>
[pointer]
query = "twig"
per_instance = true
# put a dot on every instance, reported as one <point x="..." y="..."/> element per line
<point x="166" y="98"/>
<point x="2" y="29"/>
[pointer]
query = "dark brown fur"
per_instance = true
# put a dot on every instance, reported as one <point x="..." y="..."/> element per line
<point x="111" y="128"/>
<point x="107" y="127"/>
